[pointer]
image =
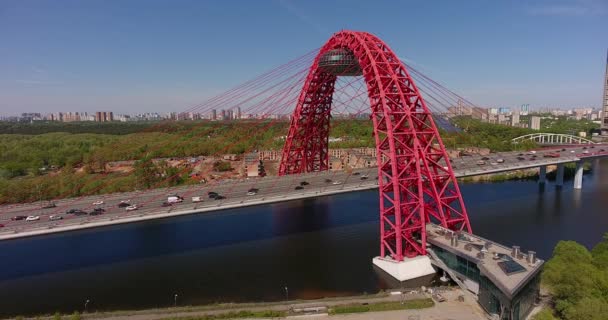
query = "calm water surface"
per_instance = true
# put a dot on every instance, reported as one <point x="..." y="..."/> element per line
<point x="317" y="248"/>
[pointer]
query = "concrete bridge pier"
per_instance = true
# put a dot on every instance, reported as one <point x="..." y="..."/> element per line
<point x="559" y="177"/>
<point x="578" y="176"/>
<point x="542" y="174"/>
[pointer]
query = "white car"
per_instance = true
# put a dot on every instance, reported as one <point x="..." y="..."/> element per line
<point x="55" y="217"/>
<point x="251" y="193"/>
<point x="336" y="182"/>
<point x="98" y="203"/>
<point x="32" y="218"/>
<point x="132" y="207"/>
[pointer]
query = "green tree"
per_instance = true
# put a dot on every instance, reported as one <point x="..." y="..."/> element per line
<point x="222" y="166"/>
<point x="75" y="316"/>
<point x="544" y="314"/>
<point x="146" y="172"/>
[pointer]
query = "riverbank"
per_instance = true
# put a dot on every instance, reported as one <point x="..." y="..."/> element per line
<point x="387" y="305"/>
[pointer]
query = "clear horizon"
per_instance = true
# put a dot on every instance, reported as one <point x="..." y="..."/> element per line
<point x="163" y="56"/>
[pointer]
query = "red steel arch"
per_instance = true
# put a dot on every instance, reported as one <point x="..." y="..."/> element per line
<point x="415" y="178"/>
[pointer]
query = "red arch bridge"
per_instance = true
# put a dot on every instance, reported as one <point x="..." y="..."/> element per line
<point x="354" y="75"/>
<point x="416" y="182"/>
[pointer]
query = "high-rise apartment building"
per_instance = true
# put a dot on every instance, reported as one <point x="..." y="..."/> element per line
<point x="104" y="116"/>
<point x="535" y="123"/>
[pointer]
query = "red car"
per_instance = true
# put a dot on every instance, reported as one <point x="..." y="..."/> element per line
<point x="1" y="225"/>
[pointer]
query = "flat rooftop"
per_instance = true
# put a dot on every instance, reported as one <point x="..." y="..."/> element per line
<point x="508" y="273"/>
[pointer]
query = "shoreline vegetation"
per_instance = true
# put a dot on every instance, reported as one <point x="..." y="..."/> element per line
<point x="381" y="301"/>
<point x="577" y="281"/>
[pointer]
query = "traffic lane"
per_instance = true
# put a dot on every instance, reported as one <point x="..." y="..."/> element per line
<point x="141" y="213"/>
<point x="235" y="196"/>
<point x="87" y="202"/>
<point x="280" y="182"/>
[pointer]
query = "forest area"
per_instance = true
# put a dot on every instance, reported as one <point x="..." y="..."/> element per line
<point x="69" y="160"/>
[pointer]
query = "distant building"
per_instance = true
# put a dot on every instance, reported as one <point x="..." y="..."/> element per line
<point x="525" y="109"/>
<point x="103" y="116"/>
<point x="535" y="123"/>
<point x="504" y="110"/>
<point x="515" y="119"/>
<point x="213" y="114"/>
<point x="335" y="164"/>
<point x="238" y="113"/>
<point x="254" y="167"/>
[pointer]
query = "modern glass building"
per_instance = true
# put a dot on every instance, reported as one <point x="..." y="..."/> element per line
<point x="506" y="281"/>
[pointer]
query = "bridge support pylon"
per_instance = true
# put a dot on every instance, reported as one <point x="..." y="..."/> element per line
<point x="542" y="174"/>
<point x="559" y="176"/>
<point x="408" y="269"/>
<point x="578" y="176"/>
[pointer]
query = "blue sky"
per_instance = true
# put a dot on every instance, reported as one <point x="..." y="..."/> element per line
<point x="134" y="55"/>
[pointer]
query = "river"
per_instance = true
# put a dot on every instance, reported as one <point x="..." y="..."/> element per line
<point x="316" y="248"/>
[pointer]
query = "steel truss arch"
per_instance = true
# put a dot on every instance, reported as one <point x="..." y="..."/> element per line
<point x="552" y="138"/>
<point x="415" y="178"/>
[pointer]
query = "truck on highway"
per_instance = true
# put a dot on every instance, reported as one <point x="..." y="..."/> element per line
<point x="197" y="199"/>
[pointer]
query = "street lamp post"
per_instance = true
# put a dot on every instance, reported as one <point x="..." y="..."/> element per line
<point x="175" y="300"/>
<point x="286" y="293"/>
<point x="86" y="304"/>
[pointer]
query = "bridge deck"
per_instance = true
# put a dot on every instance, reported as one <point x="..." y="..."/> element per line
<point x="271" y="190"/>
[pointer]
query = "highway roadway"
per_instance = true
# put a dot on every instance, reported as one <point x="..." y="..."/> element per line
<point x="270" y="190"/>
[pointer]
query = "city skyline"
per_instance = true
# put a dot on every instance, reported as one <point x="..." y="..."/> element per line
<point x="71" y="58"/>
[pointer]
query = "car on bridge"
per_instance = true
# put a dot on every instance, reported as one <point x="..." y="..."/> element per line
<point x="328" y="180"/>
<point x="32" y="218"/>
<point x="551" y="155"/>
<point x="17" y="218"/>
<point x="132" y="207"/>
<point x="98" y="203"/>
<point x="1" y="225"/>
<point x="124" y="203"/>
<point x="49" y="205"/>
<point x="304" y="183"/>
<point x="55" y="217"/>
<point x="298" y="188"/>
<point x="212" y="194"/>
<point x="481" y="163"/>
<point x="336" y="182"/>
<point x="166" y="204"/>
<point x="219" y="197"/>
<point x="97" y="211"/>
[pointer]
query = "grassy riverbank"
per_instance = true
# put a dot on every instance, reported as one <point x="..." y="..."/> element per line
<point x="338" y="305"/>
